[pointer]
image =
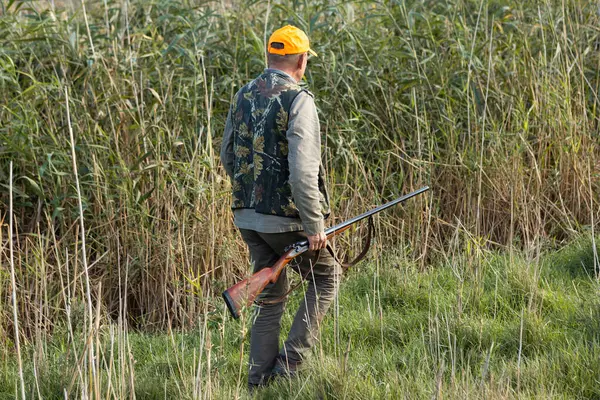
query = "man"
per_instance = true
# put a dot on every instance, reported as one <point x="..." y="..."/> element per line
<point x="272" y="153"/>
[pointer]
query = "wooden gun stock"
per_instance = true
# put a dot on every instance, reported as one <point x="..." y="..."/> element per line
<point x="244" y="292"/>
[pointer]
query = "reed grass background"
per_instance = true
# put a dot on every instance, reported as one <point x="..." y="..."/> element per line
<point x="114" y="110"/>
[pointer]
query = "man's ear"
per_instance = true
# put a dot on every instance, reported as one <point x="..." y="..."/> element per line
<point x="301" y="60"/>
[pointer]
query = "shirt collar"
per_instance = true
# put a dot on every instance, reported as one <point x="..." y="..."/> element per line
<point x="280" y="72"/>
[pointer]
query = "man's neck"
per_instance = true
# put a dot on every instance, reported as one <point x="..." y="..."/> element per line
<point x="293" y="74"/>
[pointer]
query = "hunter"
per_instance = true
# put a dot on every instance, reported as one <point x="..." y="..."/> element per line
<point x="272" y="153"/>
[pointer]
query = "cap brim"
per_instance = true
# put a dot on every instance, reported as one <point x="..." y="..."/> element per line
<point x="312" y="52"/>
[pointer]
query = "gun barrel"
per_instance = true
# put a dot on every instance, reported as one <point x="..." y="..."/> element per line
<point x="367" y="214"/>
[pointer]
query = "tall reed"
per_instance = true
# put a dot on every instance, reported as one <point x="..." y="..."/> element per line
<point x="495" y="107"/>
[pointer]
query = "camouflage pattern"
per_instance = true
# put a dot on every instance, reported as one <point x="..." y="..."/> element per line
<point x="261" y="171"/>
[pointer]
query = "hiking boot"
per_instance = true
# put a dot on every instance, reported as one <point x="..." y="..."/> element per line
<point x="264" y="382"/>
<point x="253" y="387"/>
<point x="285" y="368"/>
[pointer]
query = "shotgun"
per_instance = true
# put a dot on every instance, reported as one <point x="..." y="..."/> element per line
<point x="244" y="292"/>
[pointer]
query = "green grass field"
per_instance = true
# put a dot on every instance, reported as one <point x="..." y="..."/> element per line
<point x="509" y="327"/>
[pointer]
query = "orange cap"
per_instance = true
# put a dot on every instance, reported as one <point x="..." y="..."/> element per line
<point x="289" y="40"/>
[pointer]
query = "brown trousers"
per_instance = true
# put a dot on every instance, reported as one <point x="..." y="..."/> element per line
<point x="322" y="279"/>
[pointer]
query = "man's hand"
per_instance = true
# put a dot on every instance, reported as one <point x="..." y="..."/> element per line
<point x="317" y="242"/>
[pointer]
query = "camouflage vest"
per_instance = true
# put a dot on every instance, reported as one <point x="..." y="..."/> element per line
<point x="261" y="171"/>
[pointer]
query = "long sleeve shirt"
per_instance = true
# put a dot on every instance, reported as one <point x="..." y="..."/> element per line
<point x="304" y="158"/>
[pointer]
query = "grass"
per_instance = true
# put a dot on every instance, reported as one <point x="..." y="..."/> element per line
<point x="527" y="328"/>
<point x="494" y="106"/>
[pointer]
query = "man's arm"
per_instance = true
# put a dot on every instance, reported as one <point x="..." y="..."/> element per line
<point x="227" y="155"/>
<point x="304" y="157"/>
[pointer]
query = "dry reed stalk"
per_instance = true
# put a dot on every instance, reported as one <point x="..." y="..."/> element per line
<point x="66" y="294"/>
<point x="91" y="359"/>
<point x="87" y="26"/>
<point x="594" y="248"/>
<point x="520" y="350"/>
<point x="14" y="285"/>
